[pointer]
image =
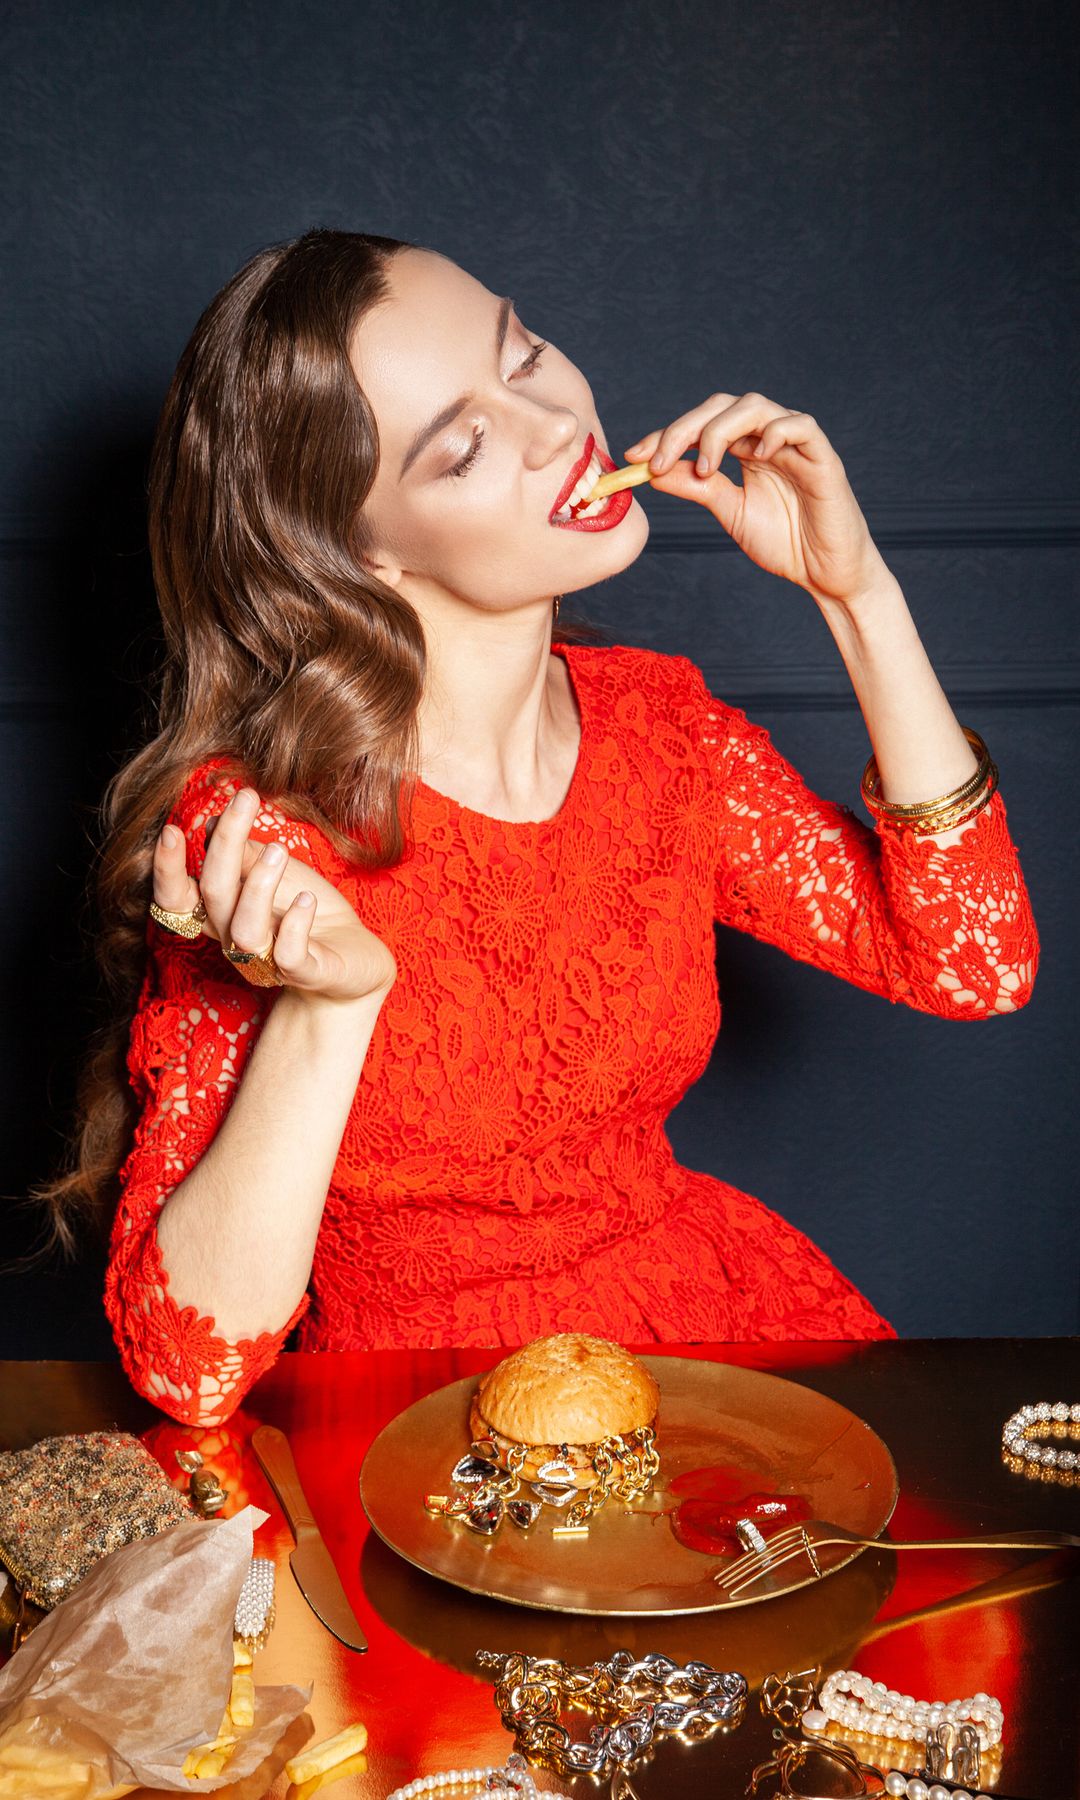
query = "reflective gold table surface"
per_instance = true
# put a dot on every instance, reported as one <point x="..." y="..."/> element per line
<point x="938" y="1625"/>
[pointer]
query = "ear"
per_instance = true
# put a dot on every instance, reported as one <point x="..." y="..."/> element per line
<point x="388" y="571"/>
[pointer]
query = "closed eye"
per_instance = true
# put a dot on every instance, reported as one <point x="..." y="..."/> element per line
<point x="466" y="463"/>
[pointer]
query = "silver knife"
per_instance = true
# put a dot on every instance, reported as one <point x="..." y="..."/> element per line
<point x="310" y="1562"/>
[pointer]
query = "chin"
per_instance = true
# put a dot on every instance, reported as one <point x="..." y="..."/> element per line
<point x="602" y="554"/>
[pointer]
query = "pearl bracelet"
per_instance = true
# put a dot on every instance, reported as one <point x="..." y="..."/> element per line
<point x="513" y="1782"/>
<point x="856" y="1703"/>
<point x="1045" y="1419"/>
<point x="898" y="1785"/>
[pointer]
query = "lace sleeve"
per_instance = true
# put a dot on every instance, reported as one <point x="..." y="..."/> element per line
<point x="193" y="1031"/>
<point x="944" y="927"/>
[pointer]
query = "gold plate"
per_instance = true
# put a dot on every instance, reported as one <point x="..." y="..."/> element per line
<point x="791" y="1438"/>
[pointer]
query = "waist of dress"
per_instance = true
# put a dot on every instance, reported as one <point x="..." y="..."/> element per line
<point x="523" y="1215"/>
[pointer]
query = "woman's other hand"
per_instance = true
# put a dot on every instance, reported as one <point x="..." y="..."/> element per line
<point x="257" y="893"/>
<point x="794" y="514"/>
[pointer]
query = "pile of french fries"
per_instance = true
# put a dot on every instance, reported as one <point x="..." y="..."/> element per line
<point x="29" y="1771"/>
<point x="317" y="1760"/>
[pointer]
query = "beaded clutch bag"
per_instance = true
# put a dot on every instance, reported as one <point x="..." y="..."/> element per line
<point x="68" y="1501"/>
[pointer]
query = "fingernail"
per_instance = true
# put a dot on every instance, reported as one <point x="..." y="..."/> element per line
<point x="168" y="836"/>
<point x="657" y="462"/>
<point x="305" y="899"/>
<point x="703" y="465"/>
<point x="273" y="854"/>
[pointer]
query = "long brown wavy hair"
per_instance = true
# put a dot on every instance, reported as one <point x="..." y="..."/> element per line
<point x="282" y="650"/>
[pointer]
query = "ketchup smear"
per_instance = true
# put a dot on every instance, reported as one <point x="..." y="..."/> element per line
<point x="711" y="1500"/>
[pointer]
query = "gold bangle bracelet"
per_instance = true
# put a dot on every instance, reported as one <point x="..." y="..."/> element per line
<point x="923" y="825"/>
<point x="871" y="780"/>
<point x="916" y="808"/>
<point x="871" y="783"/>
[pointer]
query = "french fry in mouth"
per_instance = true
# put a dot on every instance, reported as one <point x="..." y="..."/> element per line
<point x="319" y="1758"/>
<point x="632" y="476"/>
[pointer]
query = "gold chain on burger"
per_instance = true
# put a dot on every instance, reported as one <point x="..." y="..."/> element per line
<point x="625" y="1466"/>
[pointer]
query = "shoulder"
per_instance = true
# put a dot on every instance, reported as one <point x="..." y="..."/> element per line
<point x="648" y="681"/>
<point x="206" y="793"/>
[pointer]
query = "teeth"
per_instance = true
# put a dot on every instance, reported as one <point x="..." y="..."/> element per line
<point x="581" y="489"/>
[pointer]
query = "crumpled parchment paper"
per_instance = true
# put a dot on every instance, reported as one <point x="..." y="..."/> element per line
<point x="134" y="1668"/>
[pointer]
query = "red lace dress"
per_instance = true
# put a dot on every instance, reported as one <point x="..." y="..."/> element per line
<point x="504" y="1170"/>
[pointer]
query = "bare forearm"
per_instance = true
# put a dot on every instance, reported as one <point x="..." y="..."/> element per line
<point x="237" y="1235"/>
<point x="920" y="748"/>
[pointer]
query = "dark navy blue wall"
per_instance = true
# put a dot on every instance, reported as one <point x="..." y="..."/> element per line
<point x="863" y="210"/>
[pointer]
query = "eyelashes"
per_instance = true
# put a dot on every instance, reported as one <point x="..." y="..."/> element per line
<point x="466" y="463"/>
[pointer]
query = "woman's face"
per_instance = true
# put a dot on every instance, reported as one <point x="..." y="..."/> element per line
<point x="461" y="513"/>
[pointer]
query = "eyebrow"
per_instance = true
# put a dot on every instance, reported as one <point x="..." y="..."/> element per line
<point x="449" y="413"/>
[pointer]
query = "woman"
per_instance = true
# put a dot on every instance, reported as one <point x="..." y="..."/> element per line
<point x="465" y="881"/>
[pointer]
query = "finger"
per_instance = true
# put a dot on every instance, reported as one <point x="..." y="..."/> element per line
<point x="174" y="888"/>
<point x="800" y="431"/>
<point x="750" y="412"/>
<point x="722" y="496"/>
<point x="685" y="430"/>
<point x="643" y="448"/>
<point x="221" y="873"/>
<point x="251" y="848"/>
<point x="292" y="945"/>
<point x="251" y="926"/>
<point x="717" y="440"/>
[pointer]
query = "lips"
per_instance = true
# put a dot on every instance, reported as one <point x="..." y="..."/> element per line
<point x="617" y="507"/>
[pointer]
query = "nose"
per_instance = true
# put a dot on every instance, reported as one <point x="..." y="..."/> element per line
<point x="553" y="434"/>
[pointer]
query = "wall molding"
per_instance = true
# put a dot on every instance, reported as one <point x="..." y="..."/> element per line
<point x="898" y="524"/>
<point x="894" y="524"/>
<point x="767" y="687"/>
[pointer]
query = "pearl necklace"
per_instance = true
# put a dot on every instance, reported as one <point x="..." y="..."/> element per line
<point x="1043" y="1420"/>
<point x="514" y="1782"/>
<point x="859" y="1704"/>
<point x="897" y="1785"/>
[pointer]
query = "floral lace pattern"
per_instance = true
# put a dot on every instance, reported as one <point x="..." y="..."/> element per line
<point x="504" y="1170"/>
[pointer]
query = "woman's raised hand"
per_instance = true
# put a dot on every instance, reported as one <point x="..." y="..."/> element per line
<point x="794" y="514"/>
<point x="257" y="893"/>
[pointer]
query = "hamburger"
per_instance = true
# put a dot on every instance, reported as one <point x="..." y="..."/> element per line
<point x="562" y="1396"/>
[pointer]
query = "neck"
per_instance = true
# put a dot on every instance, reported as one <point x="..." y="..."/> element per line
<point x="498" y="724"/>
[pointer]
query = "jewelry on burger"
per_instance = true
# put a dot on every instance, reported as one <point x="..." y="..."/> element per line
<point x="1025" y="1455"/>
<point x="572" y="1416"/>
<point x="184" y="924"/>
<point x="635" y="1701"/>
<point x="256" y="966"/>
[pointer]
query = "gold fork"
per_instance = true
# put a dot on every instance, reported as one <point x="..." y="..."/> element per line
<point x="806" y="1539"/>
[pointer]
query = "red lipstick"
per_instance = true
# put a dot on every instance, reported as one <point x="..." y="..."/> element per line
<point x="616" y="507"/>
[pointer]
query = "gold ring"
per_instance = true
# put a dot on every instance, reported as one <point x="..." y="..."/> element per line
<point x="256" y="966"/>
<point x="185" y="924"/>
